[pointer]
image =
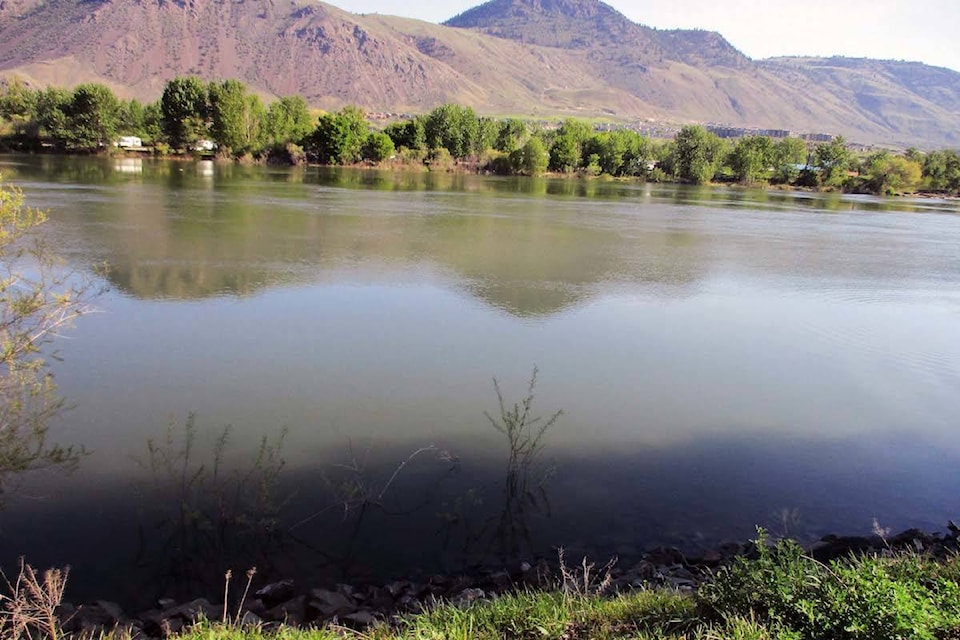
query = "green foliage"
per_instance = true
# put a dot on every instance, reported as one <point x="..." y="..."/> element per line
<point x="511" y="135"/>
<point x="18" y="106"/>
<point x="454" y="128"/>
<point x="33" y="308"/>
<point x="865" y="598"/>
<point x="533" y="157"/>
<point x="439" y="160"/>
<point x="697" y="155"/>
<point x="833" y="161"/>
<point x="941" y="170"/>
<point x="887" y="174"/>
<point x="339" y="137"/>
<point x="750" y="158"/>
<point x="91" y="117"/>
<point x="378" y="147"/>
<point x="566" y="153"/>
<point x="620" y="153"/>
<point x="131" y="118"/>
<point x="184" y="109"/>
<point x="410" y="134"/>
<point x="788" y="155"/>
<point x="235" y="117"/>
<point x="488" y="131"/>
<point x="287" y="120"/>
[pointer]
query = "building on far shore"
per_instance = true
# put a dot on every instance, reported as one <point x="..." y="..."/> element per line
<point x="129" y="142"/>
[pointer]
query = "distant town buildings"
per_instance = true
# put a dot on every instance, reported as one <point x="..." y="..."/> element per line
<point x="723" y="131"/>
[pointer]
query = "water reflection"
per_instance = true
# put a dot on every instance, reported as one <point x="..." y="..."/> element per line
<point x="723" y="356"/>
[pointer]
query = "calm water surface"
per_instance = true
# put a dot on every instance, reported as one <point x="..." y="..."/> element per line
<point x="723" y="359"/>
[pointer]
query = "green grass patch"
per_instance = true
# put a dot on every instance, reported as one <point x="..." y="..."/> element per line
<point x="901" y="596"/>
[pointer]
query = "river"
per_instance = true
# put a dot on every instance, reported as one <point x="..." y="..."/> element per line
<point x="723" y="358"/>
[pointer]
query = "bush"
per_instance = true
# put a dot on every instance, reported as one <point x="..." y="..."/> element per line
<point x="906" y="596"/>
<point x="439" y="160"/>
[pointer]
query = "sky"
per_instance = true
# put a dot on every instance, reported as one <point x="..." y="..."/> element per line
<point x="920" y="30"/>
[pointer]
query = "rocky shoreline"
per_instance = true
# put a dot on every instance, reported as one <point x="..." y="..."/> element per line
<point x="357" y="607"/>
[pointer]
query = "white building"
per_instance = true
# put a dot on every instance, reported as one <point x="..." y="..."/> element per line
<point x="129" y="142"/>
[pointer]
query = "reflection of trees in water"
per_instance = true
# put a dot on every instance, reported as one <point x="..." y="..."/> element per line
<point x="177" y="234"/>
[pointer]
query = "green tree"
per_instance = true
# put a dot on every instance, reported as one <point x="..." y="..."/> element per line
<point x="566" y="152"/>
<point x="152" y="121"/>
<point x="454" y="128"/>
<point x="236" y="117"/>
<point x="18" y="106"/>
<point x="410" y="134"/>
<point x="698" y="155"/>
<point x="339" y="137"/>
<point x="92" y="117"/>
<point x="51" y="119"/>
<point x="534" y="157"/>
<point x="751" y="157"/>
<point x="620" y="153"/>
<point x="131" y="118"/>
<point x="832" y="160"/>
<point x="788" y="155"/>
<point x="184" y="108"/>
<point x="887" y="174"/>
<point x="287" y="120"/>
<point x="488" y="130"/>
<point x="511" y="135"/>
<point x="33" y="308"/>
<point x="378" y="147"/>
<point x="941" y="170"/>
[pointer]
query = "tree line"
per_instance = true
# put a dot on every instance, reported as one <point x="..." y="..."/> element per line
<point x="190" y="110"/>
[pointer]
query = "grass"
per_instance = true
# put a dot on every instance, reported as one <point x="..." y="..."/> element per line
<point x="779" y="594"/>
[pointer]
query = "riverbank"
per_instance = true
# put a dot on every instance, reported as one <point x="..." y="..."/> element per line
<point x="750" y="588"/>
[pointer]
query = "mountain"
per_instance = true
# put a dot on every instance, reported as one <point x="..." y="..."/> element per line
<point x="541" y="58"/>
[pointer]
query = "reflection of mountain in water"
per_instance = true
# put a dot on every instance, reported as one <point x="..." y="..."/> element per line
<point x="526" y="247"/>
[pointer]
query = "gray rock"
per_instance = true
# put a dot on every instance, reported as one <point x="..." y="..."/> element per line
<point x="152" y="621"/>
<point x="250" y="619"/>
<point x="90" y="617"/>
<point x="361" y="618"/>
<point x="399" y="588"/>
<point x="467" y="596"/>
<point x="195" y="610"/>
<point x="112" y="609"/>
<point x="276" y="593"/>
<point x="292" y="612"/>
<point x="170" y="626"/>
<point x="333" y="599"/>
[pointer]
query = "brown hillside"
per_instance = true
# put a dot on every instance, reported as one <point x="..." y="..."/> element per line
<point x="533" y="57"/>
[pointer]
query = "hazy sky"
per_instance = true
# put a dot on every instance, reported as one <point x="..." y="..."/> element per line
<point x="923" y="30"/>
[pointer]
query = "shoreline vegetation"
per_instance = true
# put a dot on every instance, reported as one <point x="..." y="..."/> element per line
<point x="224" y="121"/>
<point x="881" y="586"/>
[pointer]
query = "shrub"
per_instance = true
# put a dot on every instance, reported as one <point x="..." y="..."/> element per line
<point x="906" y="596"/>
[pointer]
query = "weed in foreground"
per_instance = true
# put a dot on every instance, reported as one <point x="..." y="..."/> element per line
<point x="30" y="609"/>
<point x="585" y="580"/>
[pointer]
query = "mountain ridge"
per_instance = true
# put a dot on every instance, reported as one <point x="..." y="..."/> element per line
<point x="538" y="58"/>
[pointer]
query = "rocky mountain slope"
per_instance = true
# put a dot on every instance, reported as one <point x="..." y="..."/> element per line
<point x="524" y="57"/>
